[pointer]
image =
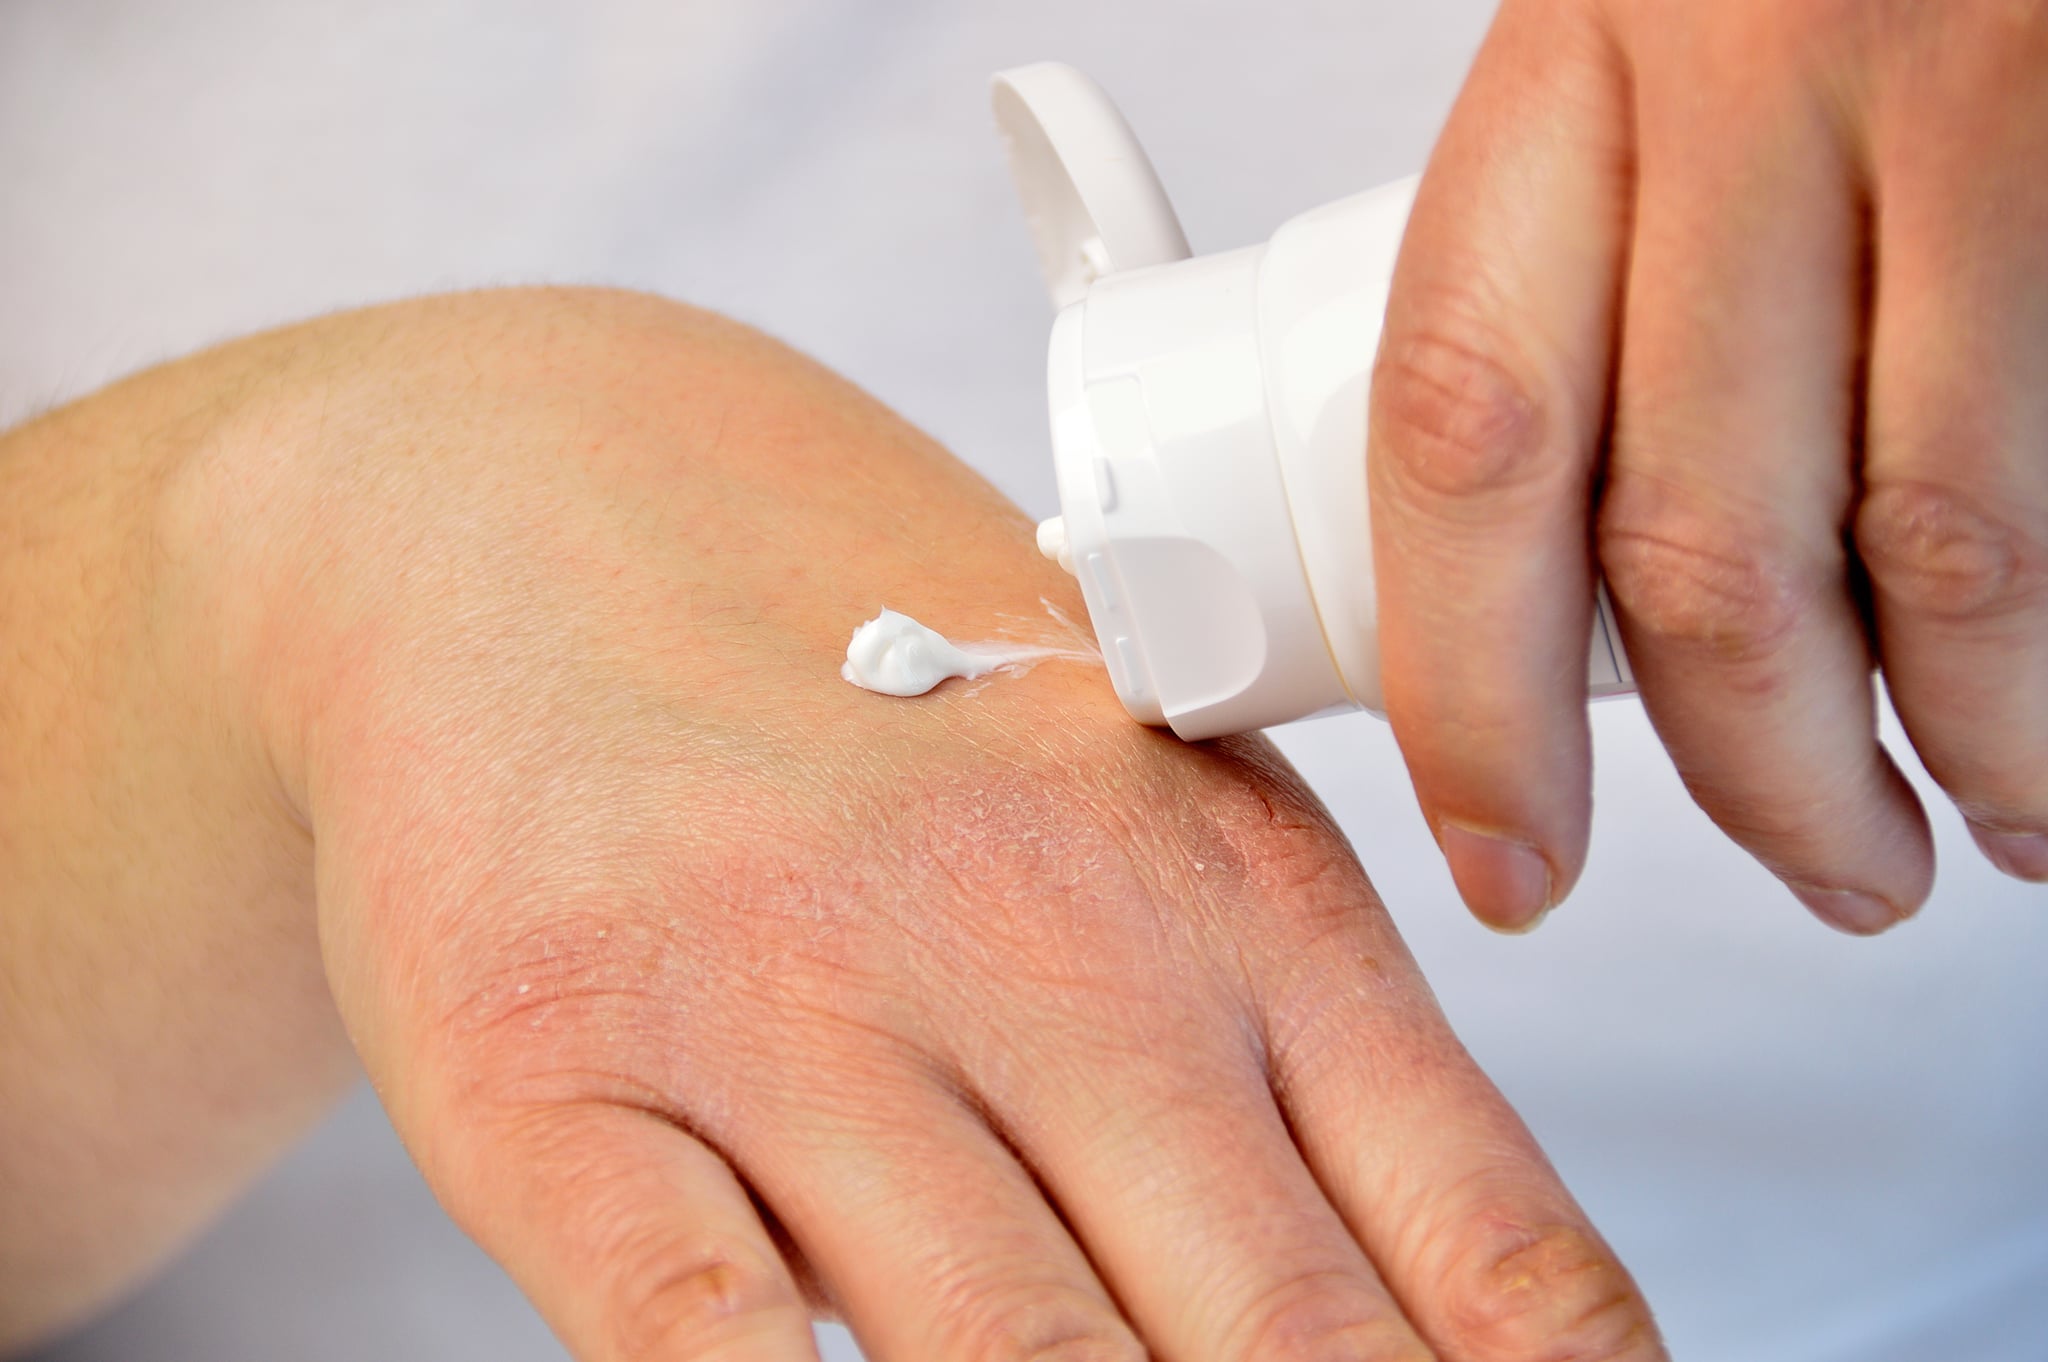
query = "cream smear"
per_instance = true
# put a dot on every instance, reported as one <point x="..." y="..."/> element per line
<point x="892" y="654"/>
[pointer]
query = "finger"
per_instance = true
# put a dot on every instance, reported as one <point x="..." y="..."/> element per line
<point x="1179" y="1177"/>
<point x="634" y="1240"/>
<point x="1954" y="522"/>
<point x="1431" y="1169"/>
<point x="935" y="1243"/>
<point x="1730" y="480"/>
<point x="1488" y="406"/>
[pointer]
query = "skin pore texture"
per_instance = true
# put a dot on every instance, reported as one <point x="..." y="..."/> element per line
<point x="452" y="688"/>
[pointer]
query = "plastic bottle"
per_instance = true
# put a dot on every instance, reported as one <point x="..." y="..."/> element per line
<point x="1208" y="428"/>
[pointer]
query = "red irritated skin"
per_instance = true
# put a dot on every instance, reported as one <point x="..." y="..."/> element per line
<point x="1769" y="275"/>
<point x="481" y="655"/>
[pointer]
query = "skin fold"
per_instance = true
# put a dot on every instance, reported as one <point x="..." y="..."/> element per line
<point x="453" y="687"/>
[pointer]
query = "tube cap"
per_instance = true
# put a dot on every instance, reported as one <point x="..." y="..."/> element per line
<point x="1093" y="202"/>
<point x="1173" y="515"/>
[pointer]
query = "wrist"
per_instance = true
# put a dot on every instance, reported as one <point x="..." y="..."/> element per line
<point x="156" y="930"/>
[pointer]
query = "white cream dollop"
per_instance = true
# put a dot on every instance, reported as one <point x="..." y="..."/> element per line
<point x="895" y="655"/>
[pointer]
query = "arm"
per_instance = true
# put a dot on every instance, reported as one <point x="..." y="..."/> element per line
<point x="704" y="986"/>
<point x="165" y="1028"/>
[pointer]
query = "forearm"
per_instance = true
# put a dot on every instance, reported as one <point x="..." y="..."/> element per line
<point x="164" y="1025"/>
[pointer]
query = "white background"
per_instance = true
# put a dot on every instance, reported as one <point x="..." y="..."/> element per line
<point x="1808" y="1148"/>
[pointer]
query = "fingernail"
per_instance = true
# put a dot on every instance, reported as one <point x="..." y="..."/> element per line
<point x="1506" y="883"/>
<point x="2022" y="855"/>
<point x="1848" y="910"/>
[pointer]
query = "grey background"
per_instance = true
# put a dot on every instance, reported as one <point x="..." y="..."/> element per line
<point x="1809" y="1149"/>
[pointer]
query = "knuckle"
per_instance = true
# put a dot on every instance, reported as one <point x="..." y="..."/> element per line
<point x="679" y="1298"/>
<point x="1035" y="1323"/>
<point x="1324" y="1316"/>
<point x="1263" y="823"/>
<point x="1552" y="1293"/>
<point x="1793" y="837"/>
<point x="1724" y="592"/>
<point x="559" y="1012"/>
<point x="2003" y="791"/>
<point x="1932" y="550"/>
<point x="1458" y="419"/>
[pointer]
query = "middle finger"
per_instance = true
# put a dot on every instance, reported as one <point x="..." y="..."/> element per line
<point x="1722" y="529"/>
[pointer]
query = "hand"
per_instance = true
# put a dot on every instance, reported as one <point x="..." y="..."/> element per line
<point x="1782" y="264"/>
<point x="699" y="981"/>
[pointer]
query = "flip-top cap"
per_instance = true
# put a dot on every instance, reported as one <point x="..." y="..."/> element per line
<point x="1173" y="514"/>
<point x="1091" y="198"/>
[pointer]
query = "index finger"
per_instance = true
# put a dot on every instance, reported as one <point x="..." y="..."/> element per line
<point x="1489" y="402"/>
